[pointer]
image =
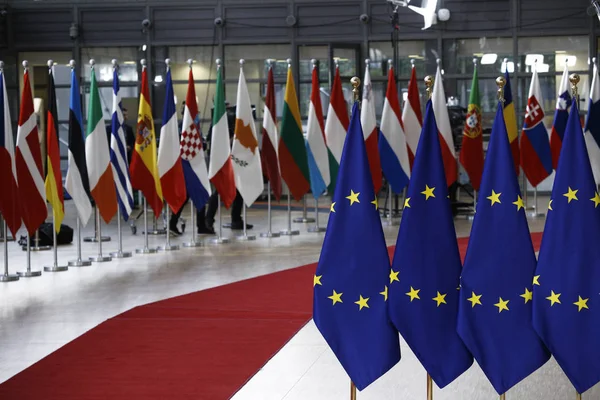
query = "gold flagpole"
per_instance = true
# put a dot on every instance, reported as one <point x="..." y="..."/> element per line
<point x="352" y="391"/>
<point x="574" y="79"/>
<point x="429" y="388"/>
<point x="503" y="396"/>
<point x="578" y="396"/>
<point x="429" y="86"/>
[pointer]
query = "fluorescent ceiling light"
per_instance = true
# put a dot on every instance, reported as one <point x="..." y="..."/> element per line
<point x="531" y="59"/>
<point x="158" y="79"/>
<point x="542" y="67"/>
<point x="129" y="62"/>
<point x="510" y="66"/>
<point x="489" y="59"/>
<point x="562" y="59"/>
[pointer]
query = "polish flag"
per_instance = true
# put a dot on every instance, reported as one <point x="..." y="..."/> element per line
<point x="370" y="131"/>
<point x="440" y="111"/>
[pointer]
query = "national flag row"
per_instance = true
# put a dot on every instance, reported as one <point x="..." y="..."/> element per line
<point x="502" y="307"/>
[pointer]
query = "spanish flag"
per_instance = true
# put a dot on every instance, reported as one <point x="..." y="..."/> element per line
<point x="54" y="188"/>
<point x="511" y="122"/>
<point x="144" y="168"/>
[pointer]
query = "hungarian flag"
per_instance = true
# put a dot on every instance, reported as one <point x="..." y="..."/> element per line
<point x="144" y="168"/>
<point x="336" y="127"/>
<point x="412" y="118"/>
<point x="170" y="170"/>
<point x="220" y="170"/>
<point x="270" y="138"/>
<point x="440" y="111"/>
<point x="510" y="118"/>
<point x="370" y="131"/>
<point x="471" y="153"/>
<point x="247" y="168"/>
<point x="292" y="151"/>
<point x="54" y="187"/>
<point x="316" y="148"/>
<point x="191" y="150"/>
<point x="9" y="204"/>
<point x="32" y="196"/>
<point x="97" y="156"/>
<point x="561" y="115"/>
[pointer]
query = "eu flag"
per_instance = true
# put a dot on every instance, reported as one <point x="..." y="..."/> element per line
<point x="426" y="270"/>
<point x="351" y="282"/>
<point x="566" y="305"/>
<point x="494" y="317"/>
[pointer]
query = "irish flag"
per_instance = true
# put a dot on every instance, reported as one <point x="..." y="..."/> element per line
<point x="336" y="127"/>
<point x="370" y="131"/>
<point x="316" y="148"/>
<point x="220" y="170"/>
<point x="292" y="151"/>
<point x="97" y="157"/>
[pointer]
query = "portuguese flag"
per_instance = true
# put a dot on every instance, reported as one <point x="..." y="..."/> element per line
<point x="292" y="151"/>
<point x="471" y="153"/>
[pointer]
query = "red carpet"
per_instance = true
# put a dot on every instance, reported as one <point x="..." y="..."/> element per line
<point x="203" y="345"/>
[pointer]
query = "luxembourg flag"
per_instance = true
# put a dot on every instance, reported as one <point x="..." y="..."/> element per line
<point x="563" y="103"/>
<point x="370" y="131"/>
<point x="392" y="142"/>
<point x="169" y="162"/>
<point x="592" y="125"/>
<point x="536" y="158"/>
<point x="440" y="111"/>
<point x="192" y="152"/>
<point x="316" y="148"/>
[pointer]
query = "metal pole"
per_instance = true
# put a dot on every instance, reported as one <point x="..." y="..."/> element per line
<point x="194" y="242"/>
<point x="99" y="257"/>
<point x="28" y="273"/>
<point x="289" y="231"/>
<point x="304" y="218"/>
<point x="55" y="267"/>
<point x="578" y="397"/>
<point x="6" y="277"/>
<point x="36" y="243"/>
<point x="316" y="228"/>
<point x="352" y="391"/>
<point x="429" y="388"/>
<point x="220" y="239"/>
<point x="168" y="246"/>
<point x="390" y="222"/>
<point x="79" y="262"/>
<point x="245" y="235"/>
<point x="97" y="236"/>
<point x="503" y="396"/>
<point x="269" y="233"/>
<point x="120" y="253"/>
<point x="145" y="249"/>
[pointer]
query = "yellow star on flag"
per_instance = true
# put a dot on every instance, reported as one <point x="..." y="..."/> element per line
<point x="384" y="293"/>
<point x="550" y="205"/>
<point x="362" y="303"/>
<point x="413" y="294"/>
<point x="317" y="280"/>
<point x="519" y="203"/>
<point x="474" y="299"/>
<point x="332" y="209"/>
<point x="336" y="297"/>
<point x="536" y="280"/>
<point x="554" y="298"/>
<point x="502" y="304"/>
<point x="571" y="194"/>
<point x="376" y="203"/>
<point x="394" y="276"/>
<point x="428" y="192"/>
<point x="353" y="197"/>
<point x="582" y="303"/>
<point x="406" y="202"/>
<point x="440" y="299"/>
<point x="494" y="197"/>
<point x="596" y="200"/>
<point x="528" y="295"/>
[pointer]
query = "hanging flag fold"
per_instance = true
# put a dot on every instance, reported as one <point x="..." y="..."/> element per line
<point x="270" y="139"/>
<point x="471" y="153"/>
<point x="336" y="127"/>
<point x="351" y="281"/>
<point x="316" y="146"/>
<point x="592" y="125"/>
<point x="440" y="110"/>
<point x="510" y="118"/>
<point x="369" y="126"/>
<point x="412" y="118"/>
<point x="563" y="103"/>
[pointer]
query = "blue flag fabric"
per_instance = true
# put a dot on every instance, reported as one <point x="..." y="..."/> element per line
<point x="351" y="282"/>
<point x="494" y="318"/>
<point x="566" y="306"/>
<point x="426" y="270"/>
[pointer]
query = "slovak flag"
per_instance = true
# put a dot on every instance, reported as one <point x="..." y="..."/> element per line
<point x="191" y="150"/>
<point x="563" y="104"/>
<point x="536" y="158"/>
<point x="592" y="125"/>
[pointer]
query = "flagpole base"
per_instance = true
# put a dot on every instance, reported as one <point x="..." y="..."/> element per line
<point x="29" y="274"/>
<point x="37" y="248"/>
<point x="314" y="229"/>
<point x="245" y="238"/>
<point x="9" y="278"/>
<point x="56" y="268"/>
<point x="288" y="232"/>
<point x="121" y="254"/>
<point x="79" y="263"/>
<point x="145" y="250"/>
<point x="303" y="220"/>
<point x="170" y="247"/>
<point x="535" y="214"/>
<point x="94" y="239"/>
<point x="156" y="232"/>
<point x="270" y="235"/>
<point x="192" y="244"/>
<point x="220" y="240"/>
<point x="99" y="259"/>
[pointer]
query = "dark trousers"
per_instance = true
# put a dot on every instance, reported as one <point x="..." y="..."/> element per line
<point x="207" y="219"/>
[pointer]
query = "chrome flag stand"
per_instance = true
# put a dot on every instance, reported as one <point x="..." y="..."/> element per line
<point x="168" y="246"/>
<point x="28" y="273"/>
<point x="145" y="249"/>
<point x="55" y="267"/>
<point x="220" y="239"/>
<point x="316" y="228"/>
<point x="194" y="242"/>
<point x="6" y="277"/>
<point x="120" y="253"/>
<point x="269" y="233"/>
<point x="289" y="231"/>
<point x="244" y="236"/>
<point x="79" y="262"/>
<point x="99" y="257"/>
<point x="304" y="218"/>
<point x="97" y="235"/>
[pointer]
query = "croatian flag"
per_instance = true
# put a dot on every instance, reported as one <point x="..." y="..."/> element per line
<point x="592" y="126"/>
<point x="118" y="154"/>
<point x="316" y="148"/>
<point x="563" y="103"/>
<point x="191" y="151"/>
<point x="536" y="158"/>
<point x="392" y="142"/>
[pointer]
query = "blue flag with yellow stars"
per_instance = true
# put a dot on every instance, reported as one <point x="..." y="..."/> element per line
<point x="425" y="273"/>
<point x="351" y="282"/>
<point x="494" y="317"/>
<point x="566" y="303"/>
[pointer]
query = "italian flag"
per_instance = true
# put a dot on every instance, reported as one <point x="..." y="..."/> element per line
<point x="102" y="185"/>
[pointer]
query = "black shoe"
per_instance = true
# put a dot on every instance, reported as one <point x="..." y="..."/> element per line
<point x="174" y="231"/>
<point x="239" y="225"/>
<point x="207" y="230"/>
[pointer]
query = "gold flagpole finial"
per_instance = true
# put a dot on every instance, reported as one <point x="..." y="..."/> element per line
<point x="355" y="81"/>
<point x="429" y="85"/>
<point x="500" y="82"/>
<point x="574" y="79"/>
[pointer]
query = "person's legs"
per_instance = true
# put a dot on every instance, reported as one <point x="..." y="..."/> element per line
<point x="175" y="219"/>
<point x="211" y="209"/>
<point x="201" y="225"/>
<point x="236" y="213"/>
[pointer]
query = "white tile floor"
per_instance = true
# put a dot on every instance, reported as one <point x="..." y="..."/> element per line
<point x="39" y="315"/>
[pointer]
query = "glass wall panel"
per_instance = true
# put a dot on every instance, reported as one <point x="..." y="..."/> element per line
<point x="255" y="57"/>
<point x="551" y="53"/>
<point x="489" y="52"/>
<point x="422" y="52"/>
<point x="321" y="54"/>
<point x="128" y="58"/>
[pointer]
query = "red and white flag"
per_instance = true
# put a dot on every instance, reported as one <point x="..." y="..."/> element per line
<point x="412" y="117"/>
<point x="370" y="131"/>
<point x="336" y="127"/>
<point x="32" y="192"/>
<point x="270" y="139"/>
<point x="440" y="111"/>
